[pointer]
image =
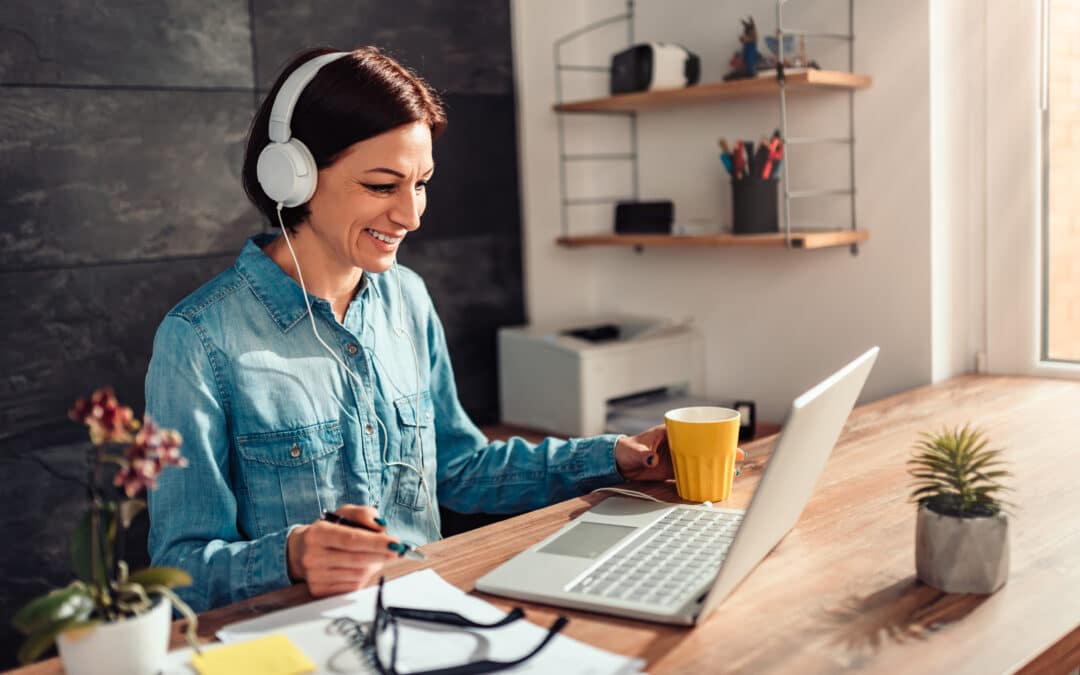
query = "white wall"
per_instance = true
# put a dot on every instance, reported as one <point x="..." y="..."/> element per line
<point x="958" y="32"/>
<point x="775" y="321"/>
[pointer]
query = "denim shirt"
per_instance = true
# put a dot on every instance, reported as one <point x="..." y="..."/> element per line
<point x="274" y="429"/>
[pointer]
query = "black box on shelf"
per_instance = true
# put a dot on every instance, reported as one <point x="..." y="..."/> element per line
<point x="754" y="206"/>
<point x="644" y="217"/>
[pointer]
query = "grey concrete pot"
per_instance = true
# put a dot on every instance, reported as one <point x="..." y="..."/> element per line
<point x="962" y="555"/>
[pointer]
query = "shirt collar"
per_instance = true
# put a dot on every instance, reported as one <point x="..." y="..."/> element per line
<point x="277" y="291"/>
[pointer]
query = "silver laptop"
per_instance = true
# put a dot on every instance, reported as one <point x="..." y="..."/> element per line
<point x="675" y="563"/>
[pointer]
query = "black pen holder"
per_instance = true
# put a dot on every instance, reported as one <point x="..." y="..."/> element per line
<point x="754" y="206"/>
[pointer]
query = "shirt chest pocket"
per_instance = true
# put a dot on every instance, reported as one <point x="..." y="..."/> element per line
<point x="289" y="476"/>
<point x="416" y="426"/>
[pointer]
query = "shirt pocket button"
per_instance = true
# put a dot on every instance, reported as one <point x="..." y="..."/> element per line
<point x="295" y="452"/>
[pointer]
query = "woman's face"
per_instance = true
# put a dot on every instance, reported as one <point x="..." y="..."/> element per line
<point x="371" y="197"/>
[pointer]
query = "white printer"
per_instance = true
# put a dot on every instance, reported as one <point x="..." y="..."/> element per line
<point x="560" y="378"/>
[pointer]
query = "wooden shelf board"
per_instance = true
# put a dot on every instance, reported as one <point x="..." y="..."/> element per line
<point x="703" y="93"/>
<point x="802" y="240"/>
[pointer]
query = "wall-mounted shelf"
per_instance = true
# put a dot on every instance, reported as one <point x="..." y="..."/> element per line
<point x="715" y="91"/>
<point x="801" y="240"/>
<point x="781" y="82"/>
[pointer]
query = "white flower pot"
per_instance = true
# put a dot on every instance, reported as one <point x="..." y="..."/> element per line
<point x="132" y="646"/>
<point x="962" y="555"/>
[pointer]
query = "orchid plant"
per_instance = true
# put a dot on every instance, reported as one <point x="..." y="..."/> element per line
<point x="105" y="590"/>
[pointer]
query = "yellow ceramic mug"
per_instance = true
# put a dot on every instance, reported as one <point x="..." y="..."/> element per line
<point x="704" y="441"/>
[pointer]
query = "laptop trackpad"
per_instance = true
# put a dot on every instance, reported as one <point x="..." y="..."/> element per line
<point x="587" y="540"/>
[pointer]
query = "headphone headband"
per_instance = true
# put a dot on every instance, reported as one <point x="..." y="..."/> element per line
<point x="286" y="168"/>
<point x="289" y="94"/>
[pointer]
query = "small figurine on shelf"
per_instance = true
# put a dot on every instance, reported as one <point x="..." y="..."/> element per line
<point x="794" y="61"/>
<point x="744" y="62"/>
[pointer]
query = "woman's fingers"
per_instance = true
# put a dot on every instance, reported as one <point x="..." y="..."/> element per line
<point x="325" y="553"/>
<point x="365" y="515"/>
<point x="331" y="581"/>
<point x="333" y="558"/>
<point x="351" y="539"/>
<point x="344" y="576"/>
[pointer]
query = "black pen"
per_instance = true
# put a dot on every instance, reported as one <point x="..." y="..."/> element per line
<point x="410" y="552"/>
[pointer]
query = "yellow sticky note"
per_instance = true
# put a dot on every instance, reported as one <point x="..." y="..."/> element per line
<point x="271" y="655"/>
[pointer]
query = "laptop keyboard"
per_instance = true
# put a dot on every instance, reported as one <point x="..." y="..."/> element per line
<point x="667" y="562"/>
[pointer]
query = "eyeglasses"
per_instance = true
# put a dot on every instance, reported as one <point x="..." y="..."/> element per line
<point x="380" y="642"/>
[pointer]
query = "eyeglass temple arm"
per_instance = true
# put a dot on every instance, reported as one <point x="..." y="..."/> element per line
<point x="478" y="667"/>
<point x="452" y="618"/>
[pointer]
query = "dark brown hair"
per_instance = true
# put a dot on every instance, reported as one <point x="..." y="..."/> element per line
<point x="349" y="100"/>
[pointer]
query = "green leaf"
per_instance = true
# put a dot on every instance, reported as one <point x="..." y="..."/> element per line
<point x="929" y="490"/>
<point x="171" y="577"/>
<point x="985" y="461"/>
<point x="932" y="475"/>
<point x="38" y="643"/>
<point x="935" y="463"/>
<point x="58" y="605"/>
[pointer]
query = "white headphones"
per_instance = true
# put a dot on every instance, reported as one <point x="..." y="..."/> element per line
<point x="286" y="169"/>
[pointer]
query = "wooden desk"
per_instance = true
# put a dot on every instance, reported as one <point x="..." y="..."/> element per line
<point x="839" y="593"/>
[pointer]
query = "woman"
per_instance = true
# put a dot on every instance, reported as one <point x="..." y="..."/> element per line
<point x="341" y="398"/>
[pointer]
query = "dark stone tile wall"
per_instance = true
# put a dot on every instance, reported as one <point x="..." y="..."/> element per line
<point x="459" y="47"/>
<point x="181" y="43"/>
<point x="470" y="192"/>
<point x="122" y="127"/>
<point x="82" y="327"/>
<point x="105" y="175"/>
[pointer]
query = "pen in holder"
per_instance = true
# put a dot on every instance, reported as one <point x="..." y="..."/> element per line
<point x="754" y="177"/>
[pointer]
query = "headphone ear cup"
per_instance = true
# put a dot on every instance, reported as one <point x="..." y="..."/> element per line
<point x="287" y="172"/>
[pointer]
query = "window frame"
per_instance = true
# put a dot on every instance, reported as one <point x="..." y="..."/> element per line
<point x="1015" y="192"/>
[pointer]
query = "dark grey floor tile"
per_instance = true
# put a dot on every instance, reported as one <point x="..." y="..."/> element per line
<point x="107" y="175"/>
<point x="73" y="330"/>
<point x="475" y="283"/>
<point x="194" y="43"/>
<point x="460" y="47"/>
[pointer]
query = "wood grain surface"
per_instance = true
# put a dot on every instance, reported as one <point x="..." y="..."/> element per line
<point x="717" y="91"/>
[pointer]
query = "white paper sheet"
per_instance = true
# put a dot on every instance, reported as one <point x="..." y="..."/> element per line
<point x="424" y="646"/>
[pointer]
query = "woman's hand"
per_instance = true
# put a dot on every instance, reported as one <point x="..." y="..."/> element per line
<point x="335" y="558"/>
<point x="647" y="455"/>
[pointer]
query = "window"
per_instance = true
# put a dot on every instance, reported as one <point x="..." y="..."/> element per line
<point x="1032" y="229"/>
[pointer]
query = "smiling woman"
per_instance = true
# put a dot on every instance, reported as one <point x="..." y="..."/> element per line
<point x="313" y="375"/>
<point x="368" y="200"/>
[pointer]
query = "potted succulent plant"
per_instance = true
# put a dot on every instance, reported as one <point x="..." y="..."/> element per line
<point x="962" y="533"/>
<point x="110" y="620"/>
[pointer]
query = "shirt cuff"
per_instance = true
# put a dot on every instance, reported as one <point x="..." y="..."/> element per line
<point x="600" y="468"/>
<point x="268" y="567"/>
